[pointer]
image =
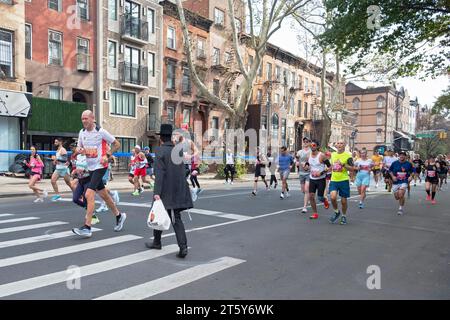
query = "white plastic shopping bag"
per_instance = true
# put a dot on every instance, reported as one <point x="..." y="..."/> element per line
<point x="158" y="218"/>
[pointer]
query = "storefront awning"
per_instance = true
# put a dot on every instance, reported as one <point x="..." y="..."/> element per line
<point x="401" y="134"/>
<point x="14" y="103"/>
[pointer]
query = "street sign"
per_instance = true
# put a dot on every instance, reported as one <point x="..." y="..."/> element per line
<point x="425" y="135"/>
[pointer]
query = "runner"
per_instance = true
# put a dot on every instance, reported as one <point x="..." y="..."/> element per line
<point x="418" y="164"/>
<point x="93" y="140"/>
<point x="341" y="164"/>
<point x="272" y="168"/>
<point x="229" y="167"/>
<point x="387" y="162"/>
<point x="61" y="169"/>
<point x="328" y="176"/>
<point x="36" y="165"/>
<point x="150" y="163"/>
<point x="431" y="180"/>
<point x="303" y="171"/>
<point x="442" y="171"/>
<point x="364" y="166"/>
<point x="285" y="163"/>
<point x="400" y="172"/>
<point x="140" y="171"/>
<point x="195" y="172"/>
<point x="355" y="156"/>
<point x="132" y="165"/>
<point x="377" y="161"/>
<point x="114" y="194"/>
<point x="317" y="183"/>
<point x="260" y="170"/>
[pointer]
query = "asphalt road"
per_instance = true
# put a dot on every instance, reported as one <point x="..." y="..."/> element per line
<point x="241" y="247"/>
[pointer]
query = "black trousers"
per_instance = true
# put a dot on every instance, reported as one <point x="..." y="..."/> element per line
<point x="229" y="168"/>
<point x="273" y="178"/>
<point x="194" y="181"/>
<point x="178" y="226"/>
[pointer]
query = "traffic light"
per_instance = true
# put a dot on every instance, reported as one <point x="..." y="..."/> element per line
<point x="442" y="135"/>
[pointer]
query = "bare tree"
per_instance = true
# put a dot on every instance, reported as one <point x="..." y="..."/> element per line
<point x="265" y="18"/>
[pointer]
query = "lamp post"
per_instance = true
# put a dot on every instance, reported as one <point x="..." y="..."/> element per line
<point x="353" y="137"/>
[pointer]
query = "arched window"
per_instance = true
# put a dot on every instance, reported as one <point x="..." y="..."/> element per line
<point x="380" y="102"/>
<point x="379" y="118"/>
<point x="356" y="103"/>
<point x="379" y="135"/>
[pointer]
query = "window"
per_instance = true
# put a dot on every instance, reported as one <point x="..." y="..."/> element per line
<point x="216" y="87"/>
<point x="275" y="125"/>
<point x="283" y="132"/>
<point x="215" y="127"/>
<point x="226" y="124"/>
<point x="305" y="115"/>
<point x="151" y="64"/>
<point x="238" y="25"/>
<point x="171" y="115"/>
<point x="285" y="77"/>
<point x="306" y="84"/>
<point x="7" y="1"/>
<point x="54" y="4"/>
<point x="250" y="62"/>
<point x="29" y="85"/>
<point x="186" y="82"/>
<point x="83" y="61"/>
<point x="312" y="86"/>
<point x="292" y="106"/>
<point x="132" y="65"/>
<point x="151" y="20"/>
<point x="83" y="46"/>
<point x="171" y="41"/>
<point x="293" y="76"/>
<point x="277" y="98"/>
<point x="379" y="136"/>
<point x="380" y="102"/>
<point x="112" y="10"/>
<point x="227" y="57"/>
<point x="269" y="71"/>
<point x="126" y="144"/>
<point x="112" y="54"/>
<point x="299" y="108"/>
<point x="355" y="103"/>
<point x="123" y="103"/>
<point x="55" y="48"/>
<point x="379" y="118"/>
<point x="216" y="56"/>
<point x="278" y="73"/>
<point x="55" y="93"/>
<point x="28" y="41"/>
<point x="219" y="17"/>
<point x="259" y="96"/>
<point x="186" y="116"/>
<point x="83" y="9"/>
<point x="171" y="68"/>
<point x="201" y="48"/>
<point x="318" y="89"/>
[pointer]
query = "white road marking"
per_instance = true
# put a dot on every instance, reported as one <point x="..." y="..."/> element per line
<point x="32" y="226"/>
<point x="18" y="220"/>
<point x="44" y="237"/>
<point x="16" y="287"/>
<point x="231" y="216"/>
<point x="5" y="215"/>
<point x="65" y="250"/>
<point x="173" y="281"/>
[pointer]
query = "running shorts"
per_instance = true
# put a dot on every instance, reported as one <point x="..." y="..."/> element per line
<point x="140" y="172"/>
<point x="61" y="172"/>
<point x="303" y="178"/>
<point x="318" y="185"/>
<point x="96" y="182"/>
<point x="36" y="174"/>
<point x="362" y="179"/>
<point x="284" y="174"/>
<point x="397" y="187"/>
<point x="342" y="187"/>
<point x="434" y="180"/>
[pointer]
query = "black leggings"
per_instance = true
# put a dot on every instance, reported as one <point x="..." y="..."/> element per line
<point x="229" y="168"/>
<point x="273" y="178"/>
<point x="194" y="181"/>
<point x="79" y="192"/>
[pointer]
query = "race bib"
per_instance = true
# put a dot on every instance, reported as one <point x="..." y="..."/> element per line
<point x="401" y="175"/>
<point x="316" y="173"/>
<point x="91" y="152"/>
<point x="364" y="168"/>
<point x="337" y="167"/>
<point x="431" y="173"/>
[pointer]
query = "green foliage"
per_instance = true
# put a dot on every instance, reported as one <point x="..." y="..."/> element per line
<point x="240" y="167"/>
<point x="408" y="30"/>
<point x="442" y="104"/>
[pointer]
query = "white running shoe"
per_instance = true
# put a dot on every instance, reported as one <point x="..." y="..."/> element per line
<point x="304" y="210"/>
<point x="45" y="194"/>
<point x="102" y="208"/>
<point x="287" y="195"/>
<point x="231" y="182"/>
<point x="38" y="200"/>
<point x="282" y="195"/>
<point x="194" y="195"/>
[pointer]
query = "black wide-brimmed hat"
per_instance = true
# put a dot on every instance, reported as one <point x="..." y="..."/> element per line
<point x="165" y="130"/>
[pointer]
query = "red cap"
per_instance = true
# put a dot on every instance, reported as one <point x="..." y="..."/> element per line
<point x="185" y="126"/>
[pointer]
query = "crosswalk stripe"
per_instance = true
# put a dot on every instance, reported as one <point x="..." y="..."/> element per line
<point x="44" y="237"/>
<point x="5" y="215"/>
<point x="172" y="281"/>
<point x="32" y="226"/>
<point x="11" y="288"/>
<point x="65" y="250"/>
<point x="219" y="214"/>
<point x="18" y="220"/>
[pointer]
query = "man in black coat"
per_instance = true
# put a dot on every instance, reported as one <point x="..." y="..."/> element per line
<point x="172" y="188"/>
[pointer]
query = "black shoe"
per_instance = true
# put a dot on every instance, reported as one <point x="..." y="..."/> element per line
<point x="153" y="245"/>
<point x="183" y="252"/>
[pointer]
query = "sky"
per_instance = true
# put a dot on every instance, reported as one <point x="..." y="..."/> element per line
<point x="426" y="91"/>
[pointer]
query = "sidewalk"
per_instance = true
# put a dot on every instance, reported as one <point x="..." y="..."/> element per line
<point x="15" y="186"/>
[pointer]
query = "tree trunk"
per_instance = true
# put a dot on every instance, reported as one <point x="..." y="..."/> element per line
<point x="326" y="127"/>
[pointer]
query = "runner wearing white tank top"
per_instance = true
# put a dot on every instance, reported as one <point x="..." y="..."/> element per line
<point x="318" y="164"/>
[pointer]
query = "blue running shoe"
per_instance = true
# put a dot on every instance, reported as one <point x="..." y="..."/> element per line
<point x="343" y="220"/>
<point x="56" y="198"/>
<point x="334" y="217"/>
<point x="82" y="232"/>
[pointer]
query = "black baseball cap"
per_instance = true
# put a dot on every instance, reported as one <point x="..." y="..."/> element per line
<point x="306" y="139"/>
<point x="402" y="152"/>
